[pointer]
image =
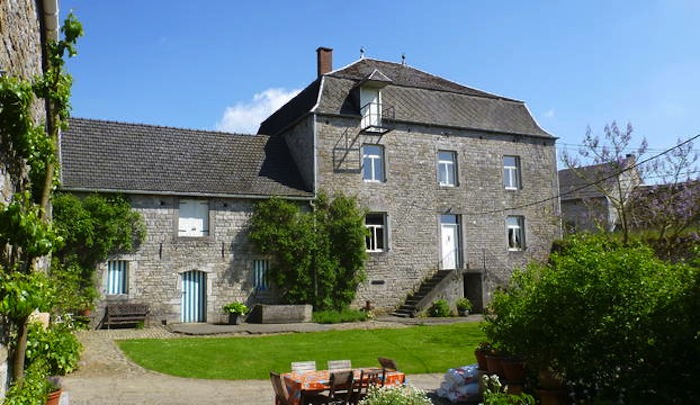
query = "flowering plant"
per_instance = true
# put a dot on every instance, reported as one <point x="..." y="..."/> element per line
<point x="396" y="395"/>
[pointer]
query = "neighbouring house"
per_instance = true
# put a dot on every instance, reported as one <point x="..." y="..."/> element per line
<point x="25" y="27"/>
<point x="593" y="196"/>
<point x="459" y="185"/>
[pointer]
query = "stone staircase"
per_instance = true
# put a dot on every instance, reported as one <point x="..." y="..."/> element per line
<point x="419" y="299"/>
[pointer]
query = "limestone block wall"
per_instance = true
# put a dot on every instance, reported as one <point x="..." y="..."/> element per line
<point x="156" y="268"/>
<point x="413" y="200"/>
<point x="20" y="55"/>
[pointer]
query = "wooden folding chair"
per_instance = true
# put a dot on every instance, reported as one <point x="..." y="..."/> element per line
<point x="281" y="394"/>
<point x="341" y="388"/>
<point x="368" y="378"/>
<point x="303" y="366"/>
<point x="335" y="365"/>
<point x="388" y="364"/>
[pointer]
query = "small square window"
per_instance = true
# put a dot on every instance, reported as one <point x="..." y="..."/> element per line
<point x="447" y="168"/>
<point x="193" y="218"/>
<point x="511" y="172"/>
<point x="373" y="163"/>
<point x="117" y="277"/>
<point x="261" y="270"/>
<point x="516" y="232"/>
<point x="376" y="235"/>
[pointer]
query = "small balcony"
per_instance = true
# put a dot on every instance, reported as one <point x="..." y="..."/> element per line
<point x="375" y="117"/>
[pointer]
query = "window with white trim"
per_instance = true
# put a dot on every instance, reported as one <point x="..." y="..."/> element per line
<point x="516" y="232"/>
<point x="376" y="232"/>
<point x="193" y="218"/>
<point x="117" y="277"/>
<point x="447" y="168"/>
<point x="373" y="163"/>
<point x="261" y="270"/>
<point x="511" y="172"/>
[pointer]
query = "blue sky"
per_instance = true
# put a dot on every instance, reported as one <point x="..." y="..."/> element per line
<point x="224" y="64"/>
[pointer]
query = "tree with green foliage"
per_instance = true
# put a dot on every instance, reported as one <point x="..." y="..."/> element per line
<point x="92" y="228"/>
<point x="29" y="151"/>
<point x="318" y="254"/>
<point x="614" y="319"/>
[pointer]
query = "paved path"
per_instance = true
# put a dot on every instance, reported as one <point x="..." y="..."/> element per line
<point x="106" y="377"/>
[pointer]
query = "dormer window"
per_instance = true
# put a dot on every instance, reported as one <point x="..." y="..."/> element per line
<point x="371" y="108"/>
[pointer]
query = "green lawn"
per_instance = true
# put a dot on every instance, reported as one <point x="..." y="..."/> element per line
<point x="418" y="349"/>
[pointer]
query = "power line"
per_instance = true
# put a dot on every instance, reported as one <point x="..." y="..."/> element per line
<point x="558" y="195"/>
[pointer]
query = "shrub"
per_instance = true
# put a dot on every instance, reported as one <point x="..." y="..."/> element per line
<point x="56" y="346"/>
<point x="603" y="313"/>
<point x="439" y="309"/>
<point x="346" y="315"/>
<point x="33" y="388"/>
<point x="396" y="395"/>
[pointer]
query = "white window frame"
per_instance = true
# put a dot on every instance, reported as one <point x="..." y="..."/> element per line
<point x="373" y="165"/>
<point x="261" y="276"/>
<point x="117" y="277"/>
<point x="193" y="218"/>
<point x="515" y="232"/>
<point x="447" y="168"/>
<point x="511" y="172"/>
<point x="376" y="240"/>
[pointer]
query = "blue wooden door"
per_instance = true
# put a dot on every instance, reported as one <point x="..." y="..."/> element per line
<point x="194" y="296"/>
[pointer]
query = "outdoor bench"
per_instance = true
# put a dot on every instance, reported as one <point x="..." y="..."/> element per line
<point x="125" y="313"/>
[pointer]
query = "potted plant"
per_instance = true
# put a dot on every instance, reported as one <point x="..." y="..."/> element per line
<point x="464" y="306"/>
<point x="480" y="353"/>
<point x="54" y="390"/>
<point x="235" y="310"/>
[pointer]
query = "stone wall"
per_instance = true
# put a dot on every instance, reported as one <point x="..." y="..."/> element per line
<point x="413" y="200"/>
<point x="155" y="269"/>
<point x="20" y="55"/>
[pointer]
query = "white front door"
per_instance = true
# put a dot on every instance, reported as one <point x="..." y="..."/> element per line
<point x="449" y="230"/>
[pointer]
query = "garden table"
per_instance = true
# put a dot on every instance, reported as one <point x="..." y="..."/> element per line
<point x="317" y="381"/>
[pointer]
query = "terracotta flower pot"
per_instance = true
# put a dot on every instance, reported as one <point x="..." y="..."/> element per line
<point x="493" y="365"/>
<point x="54" y="397"/>
<point x="513" y="370"/>
<point x="480" y="359"/>
<point x="553" y="397"/>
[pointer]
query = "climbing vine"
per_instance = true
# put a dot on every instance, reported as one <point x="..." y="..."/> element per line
<point x="29" y="152"/>
<point x="318" y="255"/>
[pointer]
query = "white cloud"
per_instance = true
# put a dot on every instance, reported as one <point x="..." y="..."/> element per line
<point x="549" y="113"/>
<point x="245" y="118"/>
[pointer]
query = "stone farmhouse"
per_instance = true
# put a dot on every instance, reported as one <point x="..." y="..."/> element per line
<point x="590" y="194"/>
<point x="459" y="185"/>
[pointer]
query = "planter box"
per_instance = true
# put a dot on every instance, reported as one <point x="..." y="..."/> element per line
<point x="280" y="314"/>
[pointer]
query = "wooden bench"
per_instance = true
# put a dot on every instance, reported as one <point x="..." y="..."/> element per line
<point x="125" y="313"/>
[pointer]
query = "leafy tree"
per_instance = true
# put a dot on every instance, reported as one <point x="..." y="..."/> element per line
<point x="318" y="255"/>
<point x="608" y="166"/>
<point x="613" y="318"/>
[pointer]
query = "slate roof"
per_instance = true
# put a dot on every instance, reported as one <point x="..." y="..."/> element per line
<point x="137" y="158"/>
<point x="416" y="96"/>
<point x="574" y="183"/>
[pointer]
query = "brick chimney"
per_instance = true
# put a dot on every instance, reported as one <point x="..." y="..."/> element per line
<point x="324" y="58"/>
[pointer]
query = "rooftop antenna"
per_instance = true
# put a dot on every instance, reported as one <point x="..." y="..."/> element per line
<point x="362" y="52"/>
<point x="403" y="59"/>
